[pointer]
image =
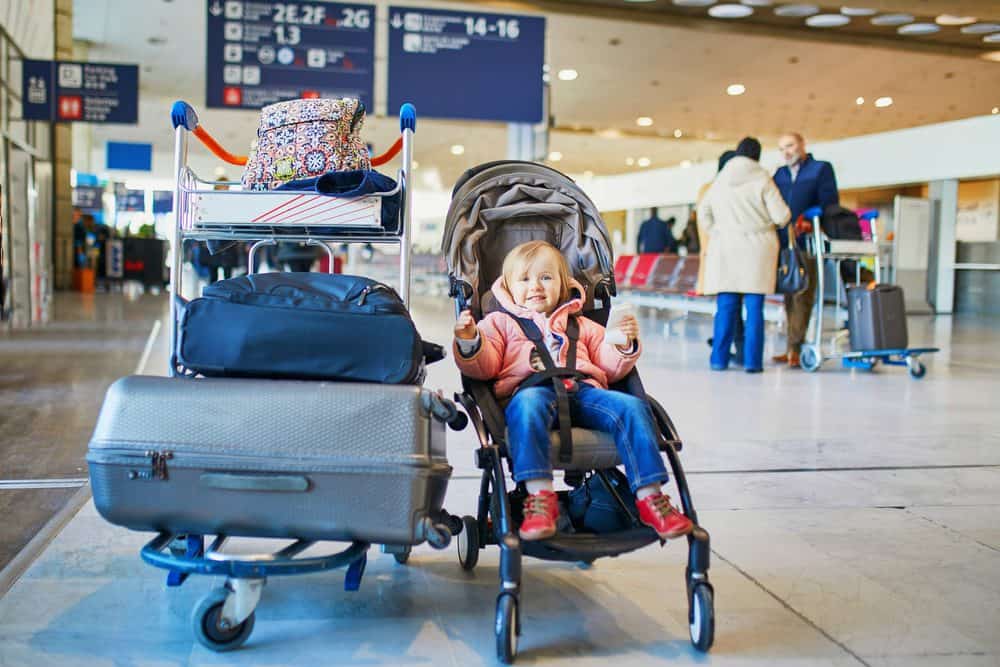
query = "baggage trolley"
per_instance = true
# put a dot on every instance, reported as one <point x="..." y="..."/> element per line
<point x="224" y="619"/>
<point x="812" y="356"/>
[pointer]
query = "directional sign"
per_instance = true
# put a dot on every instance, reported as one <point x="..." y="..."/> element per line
<point x="458" y="64"/>
<point x="80" y="92"/>
<point x="163" y="201"/>
<point x="129" y="200"/>
<point x="88" y="197"/>
<point x="265" y="52"/>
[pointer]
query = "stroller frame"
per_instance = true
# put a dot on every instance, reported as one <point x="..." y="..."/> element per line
<point x="494" y="522"/>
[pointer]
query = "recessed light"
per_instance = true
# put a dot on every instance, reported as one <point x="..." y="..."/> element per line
<point x="736" y="89"/>
<point x="610" y="133"/>
<point x="457" y="149"/>
<point x="883" y="102"/>
<point x="678" y="134"/>
<point x="630" y="161"/>
<point x="892" y="19"/>
<point x="995" y="110"/>
<point x="694" y="3"/>
<point x="991" y="55"/>
<point x="796" y="11"/>
<point x="555" y="156"/>
<point x="827" y="21"/>
<point x="980" y="28"/>
<point x="568" y="74"/>
<point x="951" y="19"/>
<point x="859" y="101"/>
<point x="686" y="164"/>
<point x="643" y="121"/>
<point x="757" y="3"/>
<point x="992" y="39"/>
<point x="919" y="29"/>
<point x="730" y="11"/>
<point x="644" y="162"/>
<point x="857" y="11"/>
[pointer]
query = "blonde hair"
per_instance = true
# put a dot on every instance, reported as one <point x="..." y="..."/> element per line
<point x="522" y="255"/>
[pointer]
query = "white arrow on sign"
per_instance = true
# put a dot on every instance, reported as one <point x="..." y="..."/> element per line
<point x="216" y="9"/>
<point x="397" y="21"/>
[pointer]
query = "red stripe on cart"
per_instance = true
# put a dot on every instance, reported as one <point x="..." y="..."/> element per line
<point x="277" y="208"/>
<point x="324" y="205"/>
<point x="366" y="216"/>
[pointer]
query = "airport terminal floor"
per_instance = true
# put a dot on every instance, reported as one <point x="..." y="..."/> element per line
<point x="853" y="517"/>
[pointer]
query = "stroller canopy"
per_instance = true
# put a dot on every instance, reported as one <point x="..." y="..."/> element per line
<point x="499" y="205"/>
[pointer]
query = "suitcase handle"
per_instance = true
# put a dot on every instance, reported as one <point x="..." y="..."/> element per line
<point x="232" y="482"/>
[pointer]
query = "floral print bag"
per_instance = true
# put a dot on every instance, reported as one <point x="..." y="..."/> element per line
<point x="305" y="139"/>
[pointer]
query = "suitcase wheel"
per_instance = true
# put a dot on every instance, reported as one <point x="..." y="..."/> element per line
<point x="211" y="630"/>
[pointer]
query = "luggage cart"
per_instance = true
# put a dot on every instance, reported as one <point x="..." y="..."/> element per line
<point x="812" y="356"/>
<point x="224" y="619"/>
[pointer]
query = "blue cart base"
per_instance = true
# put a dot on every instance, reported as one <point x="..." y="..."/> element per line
<point x="812" y="359"/>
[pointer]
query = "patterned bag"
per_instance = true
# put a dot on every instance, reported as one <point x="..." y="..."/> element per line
<point x="304" y="139"/>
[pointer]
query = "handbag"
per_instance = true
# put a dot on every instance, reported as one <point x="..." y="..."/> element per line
<point x="792" y="277"/>
<point x="307" y="138"/>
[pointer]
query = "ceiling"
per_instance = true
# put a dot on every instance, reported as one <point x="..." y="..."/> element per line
<point x="673" y="70"/>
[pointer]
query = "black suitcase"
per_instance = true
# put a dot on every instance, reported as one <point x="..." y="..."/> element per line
<point x="877" y="318"/>
<point x="309" y="326"/>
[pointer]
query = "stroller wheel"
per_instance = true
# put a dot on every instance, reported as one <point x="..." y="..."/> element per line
<point x="702" y="617"/>
<point x="211" y="630"/>
<point x="506" y="628"/>
<point x="468" y="543"/>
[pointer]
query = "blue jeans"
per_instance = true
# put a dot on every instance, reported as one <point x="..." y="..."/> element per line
<point x="532" y="412"/>
<point x="727" y="312"/>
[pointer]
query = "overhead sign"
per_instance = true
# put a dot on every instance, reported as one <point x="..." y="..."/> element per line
<point x="80" y="92"/>
<point x="129" y="200"/>
<point x="469" y="65"/>
<point x="265" y="52"/>
<point x="129" y="156"/>
<point x="163" y="201"/>
<point x="88" y="197"/>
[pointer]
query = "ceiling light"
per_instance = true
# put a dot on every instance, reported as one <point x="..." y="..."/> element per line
<point x="610" y="133"/>
<point x="857" y="11"/>
<point x="883" y="102"/>
<point x="980" y="28"/>
<point x="892" y="19"/>
<point x="730" y="11"/>
<point x="630" y="161"/>
<point x="457" y="149"/>
<point x="919" y="29"/>
<point x="686" y="164"/>
<point x="827" y="21"/>
<point x="678" y="134"/>
<point x="951" y="19"/>
<point x="991" y="55"/>
<point x="736" y="89"/>
<point x="643" y="121"/>
<point x="644" y="162"/>
<point x="555" y="156"/>
<point x="796" y="11"/>
<point x="568" y="74"/>
<point x="995" y="110"/>
<point x="694" y="3"/>
<point x="757" y="3"/>
<point x="859" y="101"/>
<point x="992" y="39"/>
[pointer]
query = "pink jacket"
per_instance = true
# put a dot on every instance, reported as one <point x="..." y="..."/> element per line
<point x="504" y="352"/>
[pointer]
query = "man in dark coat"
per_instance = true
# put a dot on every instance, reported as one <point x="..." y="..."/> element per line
<point x="655" y="236"/>
<point x="804" y="182"/>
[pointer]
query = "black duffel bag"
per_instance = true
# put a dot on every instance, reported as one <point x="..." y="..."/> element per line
<point x="311" y="326"/>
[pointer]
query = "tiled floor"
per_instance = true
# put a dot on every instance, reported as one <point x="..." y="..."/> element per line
<point x="853" y="516"/>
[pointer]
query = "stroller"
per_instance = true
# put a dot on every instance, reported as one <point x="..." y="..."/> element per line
<point x="494" y="208"/>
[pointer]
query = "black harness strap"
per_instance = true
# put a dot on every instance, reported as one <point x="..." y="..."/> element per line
<point x="555" y="375"/>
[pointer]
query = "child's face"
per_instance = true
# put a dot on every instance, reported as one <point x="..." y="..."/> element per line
<point x="537" y="285"/>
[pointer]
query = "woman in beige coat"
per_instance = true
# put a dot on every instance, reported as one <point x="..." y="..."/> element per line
<point x="740" y="213"/>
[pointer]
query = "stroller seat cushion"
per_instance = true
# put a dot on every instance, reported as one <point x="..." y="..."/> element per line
<point x="592" y="450"/>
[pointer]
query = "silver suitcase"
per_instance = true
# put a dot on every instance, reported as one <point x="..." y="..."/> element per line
<point x="269" y="458"/>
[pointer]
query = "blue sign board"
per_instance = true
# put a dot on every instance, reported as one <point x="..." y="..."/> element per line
<point x="163" y="201"/>
<point x="88" y="198"/>
<point x="77" y="91"/>
<point x="265" y="52"/>
<point x="124" y="155"/>
<point x="470" y="65"/>
<point x="129" y="200"/>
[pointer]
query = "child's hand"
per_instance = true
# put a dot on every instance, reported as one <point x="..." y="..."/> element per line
<point x="629" y="326"/>
<point x="465" y="327"/>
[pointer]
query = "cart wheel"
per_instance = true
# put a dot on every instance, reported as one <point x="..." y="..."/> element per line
<point x="916" y="368"/>
<point x="207" y="617"/>
<point x="178" y="546"/>
<point x="810" y="358"/>
<point x="702" y="617"/>
<point x="468" y="543"/>
<point x="402" y="557"/>
<point x="506" y="628"/>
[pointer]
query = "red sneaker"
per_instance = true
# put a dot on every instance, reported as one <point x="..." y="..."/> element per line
<point x="656" y="512"/>
<point x="540" y="513"/>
